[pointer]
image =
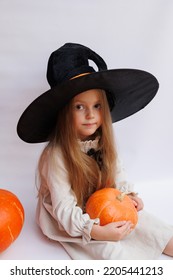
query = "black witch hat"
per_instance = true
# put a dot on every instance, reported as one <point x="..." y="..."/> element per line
<point x="69" y="73"/>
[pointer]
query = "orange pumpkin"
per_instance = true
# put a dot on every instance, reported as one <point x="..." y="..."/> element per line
<point x="111" y="205"/>
<point x="11" y="218"/>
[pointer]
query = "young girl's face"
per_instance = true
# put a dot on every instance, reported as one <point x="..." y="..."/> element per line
<point x="87" y="113"/>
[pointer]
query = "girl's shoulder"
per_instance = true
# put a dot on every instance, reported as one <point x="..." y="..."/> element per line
<point x="52" y="158"/>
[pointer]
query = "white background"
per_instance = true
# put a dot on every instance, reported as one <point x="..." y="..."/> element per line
<point x="127" y="34"/>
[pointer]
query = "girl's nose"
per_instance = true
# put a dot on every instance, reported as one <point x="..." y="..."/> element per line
<point x="90" y="113"/>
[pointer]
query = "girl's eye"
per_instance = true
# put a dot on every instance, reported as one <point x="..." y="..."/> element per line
<point x="97" y="106"/>
<point x="79" y="107"/>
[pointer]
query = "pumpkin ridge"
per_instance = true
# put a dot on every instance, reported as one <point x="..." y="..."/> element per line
<point x="11" y="235"/>
<point x="19" y="211"/>
<point x="103" y="207"/>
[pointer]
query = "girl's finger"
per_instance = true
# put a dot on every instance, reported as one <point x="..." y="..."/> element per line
<point x="135" y="203"/>
<point x="120" y="223"/>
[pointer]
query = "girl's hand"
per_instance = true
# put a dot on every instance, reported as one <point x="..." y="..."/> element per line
<point x="111" y="232"/>
<point x="137" y="201"/>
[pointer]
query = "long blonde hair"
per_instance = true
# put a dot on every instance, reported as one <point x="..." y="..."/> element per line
<point x="85" y="176"/>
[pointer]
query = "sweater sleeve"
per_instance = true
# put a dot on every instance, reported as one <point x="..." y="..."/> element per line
<point x="62" y="203"/>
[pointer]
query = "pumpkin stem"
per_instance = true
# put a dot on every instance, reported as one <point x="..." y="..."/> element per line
<point x="121" y="196"/>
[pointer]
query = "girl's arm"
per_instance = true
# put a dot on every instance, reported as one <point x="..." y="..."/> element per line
<point x="111" y="232"/>
<point x="59" y="201"/>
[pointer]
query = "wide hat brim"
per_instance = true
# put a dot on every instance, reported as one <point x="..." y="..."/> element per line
<point x="131" y="89"/>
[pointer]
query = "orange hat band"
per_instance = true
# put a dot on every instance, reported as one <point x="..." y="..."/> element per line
<point x="80" y="75"/>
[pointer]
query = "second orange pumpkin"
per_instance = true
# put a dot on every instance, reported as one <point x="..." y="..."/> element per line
<point x="11" y="218"/>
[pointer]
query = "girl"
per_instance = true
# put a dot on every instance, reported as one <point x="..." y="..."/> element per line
<point x="75" y="117"/>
